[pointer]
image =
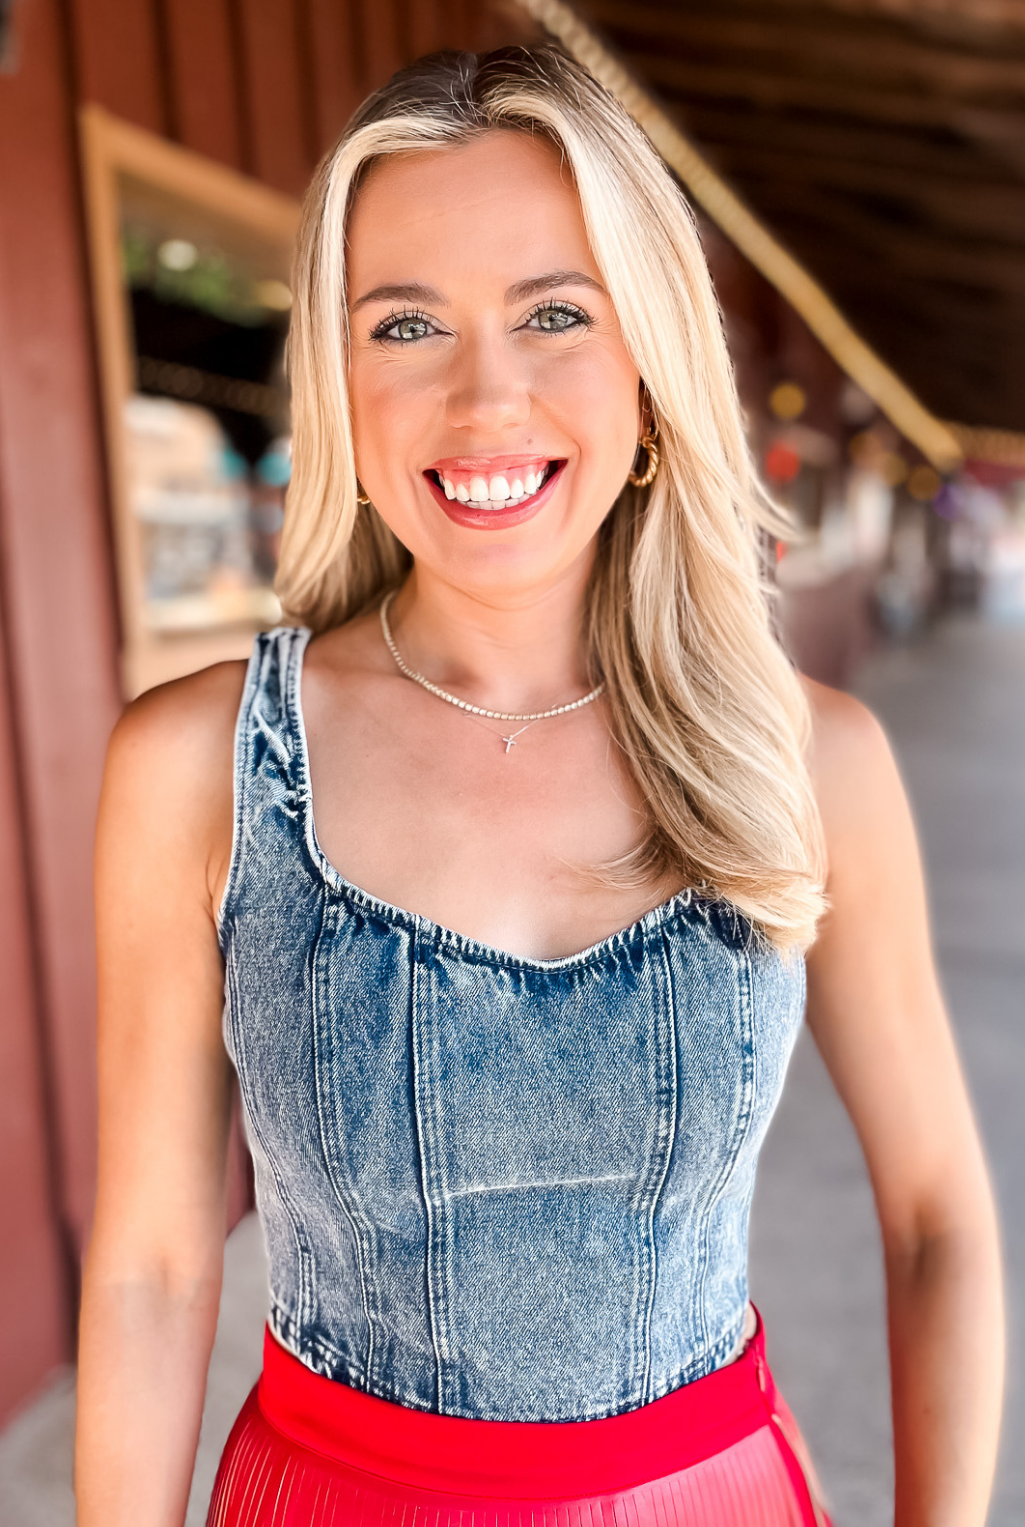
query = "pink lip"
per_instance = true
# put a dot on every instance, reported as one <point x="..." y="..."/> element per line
<point x="494" y="519"/>
<point x="487" y="466"/>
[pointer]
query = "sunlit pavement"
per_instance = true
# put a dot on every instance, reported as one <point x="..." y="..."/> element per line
<point x="954" y="705"/>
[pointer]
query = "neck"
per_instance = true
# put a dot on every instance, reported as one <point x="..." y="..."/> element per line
<point x="505" y="651"/>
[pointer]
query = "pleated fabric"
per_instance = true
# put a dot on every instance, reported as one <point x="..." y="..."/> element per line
<point x="723" y="1451"/>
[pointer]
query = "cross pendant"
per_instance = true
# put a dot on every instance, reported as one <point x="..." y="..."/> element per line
<point x="510" y="742"/>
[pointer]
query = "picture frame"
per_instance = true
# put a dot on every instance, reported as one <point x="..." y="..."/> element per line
<point x="190" y="264"/>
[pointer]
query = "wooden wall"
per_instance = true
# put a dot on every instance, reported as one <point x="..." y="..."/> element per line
<point x="264" y="86"/>
<point x="57" y="613"/>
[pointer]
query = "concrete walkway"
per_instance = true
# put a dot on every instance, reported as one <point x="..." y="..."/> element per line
<point x="955" y="708"/>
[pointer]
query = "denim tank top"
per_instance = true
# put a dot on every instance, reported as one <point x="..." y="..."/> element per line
<point x="494" y="1187"/>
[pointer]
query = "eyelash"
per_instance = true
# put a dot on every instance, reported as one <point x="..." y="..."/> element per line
<point x="583" y="320"/>
<point x="414" y="315"/>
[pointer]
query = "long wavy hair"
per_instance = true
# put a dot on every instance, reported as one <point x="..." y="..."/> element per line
<point x="705" y="705"/>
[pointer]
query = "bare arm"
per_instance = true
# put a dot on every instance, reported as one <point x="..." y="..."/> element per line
<point x="153" y="1272"/>
<point x="876" y="1012"/>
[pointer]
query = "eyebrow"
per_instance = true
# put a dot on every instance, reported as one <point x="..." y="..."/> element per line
<point x="411" y="291"/>
<point x="533" y="286"/>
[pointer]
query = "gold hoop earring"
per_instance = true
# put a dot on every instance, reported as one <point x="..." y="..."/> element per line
<point x="647" y="477"/>
<point x="361" y="497"/>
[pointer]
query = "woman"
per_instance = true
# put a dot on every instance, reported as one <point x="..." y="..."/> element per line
<point x="529" y="825"/>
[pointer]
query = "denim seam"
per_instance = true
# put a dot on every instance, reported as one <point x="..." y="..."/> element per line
<point x="432" y="1274"/>
<point x="750" y="1073"/>
<point x="239" y="789"/>
<point x="358" y="1227"/>
<point x="301" y="1338"/>
<point x="666" y="1106"/>
<point x="296" y="724"/>
<point x="742" y="969"/>
<point x="302" y="1251"/>
<point x="266" y="656"/>
<point x="317" y="1352"/>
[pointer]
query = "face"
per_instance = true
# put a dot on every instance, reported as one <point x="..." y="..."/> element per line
<point x="495" y="407"/>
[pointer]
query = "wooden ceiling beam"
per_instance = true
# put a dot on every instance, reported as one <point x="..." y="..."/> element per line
<point x="987" y="267"/>
<point x="864" y="143"/>
<point x="975" y="210"/>
<point x="673" y="76"/>
<point x="820" y="46"/>
<point x="862" y="281"/>
<point x="1000" y="276"/>
<point x="973" y="16"/>
<point x="996" y="134"/>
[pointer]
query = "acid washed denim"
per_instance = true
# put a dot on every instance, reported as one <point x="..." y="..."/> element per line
<point x="493" y="1187"/>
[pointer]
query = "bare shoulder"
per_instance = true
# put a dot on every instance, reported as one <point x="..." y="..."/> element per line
<point x="169" y="777"/>
<point x="848" y="742"/>
<point x="855" y="776"/>
<point x="845" y="733"/>
<point x="185" y="727"/>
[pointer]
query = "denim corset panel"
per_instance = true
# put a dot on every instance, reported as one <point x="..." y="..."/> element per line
<point x="490" y="1186"/>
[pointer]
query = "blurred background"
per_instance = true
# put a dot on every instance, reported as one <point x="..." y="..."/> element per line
<point x="858" y="171"/>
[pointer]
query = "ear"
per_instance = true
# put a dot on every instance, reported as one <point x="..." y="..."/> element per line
<point x="647" y="411"/>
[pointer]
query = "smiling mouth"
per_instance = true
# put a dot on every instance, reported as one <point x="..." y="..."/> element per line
<point x="488" y="495"/>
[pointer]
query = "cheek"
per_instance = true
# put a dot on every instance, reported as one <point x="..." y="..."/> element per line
<point x="387" y="408"/>
<point x="597" y="395"/>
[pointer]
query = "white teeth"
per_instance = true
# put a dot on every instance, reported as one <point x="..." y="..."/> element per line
<point x="497" y="492"/>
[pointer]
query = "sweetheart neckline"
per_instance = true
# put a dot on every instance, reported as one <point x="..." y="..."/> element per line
<point x="439" y="933"/>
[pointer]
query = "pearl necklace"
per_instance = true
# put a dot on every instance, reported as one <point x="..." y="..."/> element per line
<point x="464" y="705"/>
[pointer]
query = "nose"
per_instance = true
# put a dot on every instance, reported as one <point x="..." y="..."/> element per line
<point x="488" y="389"/>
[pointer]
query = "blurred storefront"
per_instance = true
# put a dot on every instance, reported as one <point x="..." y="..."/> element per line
<point x="152" y="153"/>
<point x="860" y="160"/>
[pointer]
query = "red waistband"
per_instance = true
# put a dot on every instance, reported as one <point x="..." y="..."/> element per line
<point x="517" y="1458"/>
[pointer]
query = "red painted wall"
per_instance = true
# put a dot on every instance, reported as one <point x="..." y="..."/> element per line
<point x="57" y="608"/>
<point x="34" y="1263"/>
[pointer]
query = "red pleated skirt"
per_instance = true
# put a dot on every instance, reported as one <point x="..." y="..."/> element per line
<point x="308" y="1451"/>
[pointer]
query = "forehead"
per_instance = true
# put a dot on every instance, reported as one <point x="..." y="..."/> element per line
<point x="496" y="209"/>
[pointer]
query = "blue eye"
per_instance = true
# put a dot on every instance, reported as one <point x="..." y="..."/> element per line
<point x="402" y="328"/>
<point x="559" y="317"/>
<point x="408" y="327"/>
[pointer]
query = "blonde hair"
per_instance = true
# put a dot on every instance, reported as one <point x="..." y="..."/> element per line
<point x="709" y="713"/>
